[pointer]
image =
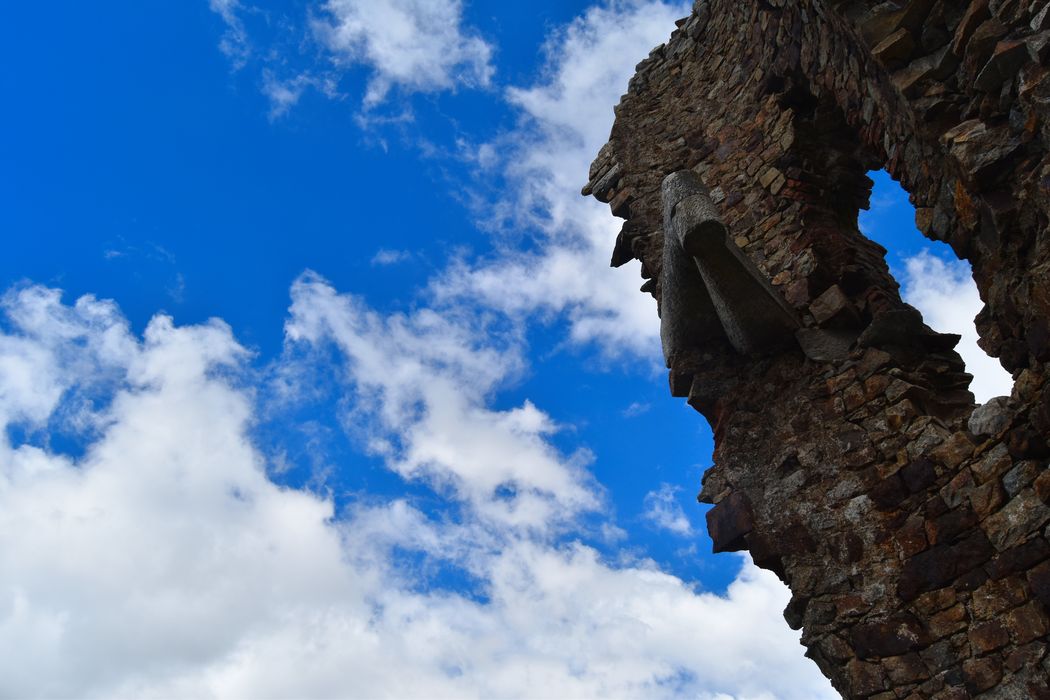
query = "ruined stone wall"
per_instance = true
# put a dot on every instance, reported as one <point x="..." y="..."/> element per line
<point x="849" y="459"/>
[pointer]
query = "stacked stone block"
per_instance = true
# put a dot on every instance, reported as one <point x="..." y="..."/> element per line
<point x="911" y="526"/>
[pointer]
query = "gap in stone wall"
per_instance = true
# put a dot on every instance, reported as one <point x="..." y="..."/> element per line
<point x="932" y="279"/>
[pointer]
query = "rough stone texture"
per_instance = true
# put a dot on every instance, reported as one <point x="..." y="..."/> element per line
<point x="913" y="538"/>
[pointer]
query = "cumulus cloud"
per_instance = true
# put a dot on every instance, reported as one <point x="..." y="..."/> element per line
<point x="663" y="511"/>
<point x="565" y="119"/>
<point x="163" y="562"/>
<point x="945" y="293"/>
<point x="415" y="45"/>
<point x="423" y="381"/>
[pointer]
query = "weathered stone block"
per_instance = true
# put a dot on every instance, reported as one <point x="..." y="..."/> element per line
<point x="890" y="637"/>
<point x="991" y="418"/>
<point x="1018" y="520"/>
<point x="1027" y="623"/>
<point x="988" y="636"/>
<point x="729" y="522"/>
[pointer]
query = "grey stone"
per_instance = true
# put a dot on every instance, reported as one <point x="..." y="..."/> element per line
<point x="603" y="187"/>
<point x="1041" y="20"/>
<point x="1038" y="46"/>
<point x="752" y="313"/>
<point x="687" y="316"/>
<point x="894" y="327"/>
<point x="990" y="418"/>
<point x="824" y="345"/>
<point x="1016" y="521"/>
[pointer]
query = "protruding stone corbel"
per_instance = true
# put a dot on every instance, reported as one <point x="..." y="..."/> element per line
<point x="746" y="308"/>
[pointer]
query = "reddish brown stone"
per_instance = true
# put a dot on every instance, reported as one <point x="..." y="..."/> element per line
<point x="988" y="636"/>
<point x="864" y="678"/>
<point x="948" y="622"/>
<point x="1042" y="486"/>
<point x="995" y="597"/>
<point x="1039" y="580"/>
<point x="982" y="674"/>
<point x="953" y="452"/>
<point x="1027" y="623"/>
<point x="890" y="637"/>
<point x="729" y="521"/>
<point x="987" y="498"/>
<point x="937" y="566"/>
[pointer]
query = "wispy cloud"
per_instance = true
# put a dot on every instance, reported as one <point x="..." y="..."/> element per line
<point x="410" y="46"/>
<point x="387" y="256"/>
<point x="234" y="43"/>
<point x="422" y="381"/>
<point x="636" y="409"/>
<point x="565" y="119"/>
<point x="663" y="510"/>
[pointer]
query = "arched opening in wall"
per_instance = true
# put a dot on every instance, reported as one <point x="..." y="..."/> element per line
<point x="866" y="248"/>
<point x="932" y="280"/>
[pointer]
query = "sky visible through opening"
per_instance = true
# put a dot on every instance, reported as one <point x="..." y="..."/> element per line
<point x="315" y="380"/>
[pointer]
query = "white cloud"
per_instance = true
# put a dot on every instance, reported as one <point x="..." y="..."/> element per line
<point x="947" y="296"/>
<point x="285" y="93"/>
<point x="636" y="408"/>
<point x="164" y="563"/>
<point x="663" y="511"/>
<point x="566" y="118"/>
<point x="423" y="381"/>
<point x="234" y="42"/>
<point x="416" y="45"/>
<point x="388" y="256"/>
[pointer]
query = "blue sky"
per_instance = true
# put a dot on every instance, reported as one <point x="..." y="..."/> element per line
<point x="314" y="378"/>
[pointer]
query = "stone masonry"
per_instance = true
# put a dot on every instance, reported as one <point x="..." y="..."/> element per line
<point x="911" y="527"/>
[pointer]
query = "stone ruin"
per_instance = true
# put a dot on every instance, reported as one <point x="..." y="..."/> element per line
<point x="911" y="526"/>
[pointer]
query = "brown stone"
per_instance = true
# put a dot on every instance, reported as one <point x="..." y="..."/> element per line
<point x="993" y="464"/>
<point x="982" y="674"/>
<point x="864" y="678"/>
<point x="997" y="596"/>
<point x="1020" y="558"/>
<point x="948" y="622"/>
<point x="1039" y="580"/>
<point x="1006" y="59"/>
<point x="976" y="12"/>
<point x="1027" y="655"/>
<point x="938" y="566"/>
<point x="1042" y="486"/>
<point x="988" y="636"/>
<point x="953" y="452"/>
<point x="908" y="668"/>
<point x="1027" y="623"/>
<point x="935" y="601"/>
<point x="729" y="521"/>
<point x="890" y="637"/>
<point x="895" y="49"/>
<point x="911" y="539"/>
<point x="987" y="498"/>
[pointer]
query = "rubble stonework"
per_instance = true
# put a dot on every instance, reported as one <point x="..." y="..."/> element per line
<point x="849" y="458"/>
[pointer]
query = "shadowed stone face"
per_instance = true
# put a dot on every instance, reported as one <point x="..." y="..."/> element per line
<point x="912" y="530"/>
<point x="753" y="315"/>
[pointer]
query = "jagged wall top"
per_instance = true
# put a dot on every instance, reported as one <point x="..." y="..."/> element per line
<point x="911" y="529"/>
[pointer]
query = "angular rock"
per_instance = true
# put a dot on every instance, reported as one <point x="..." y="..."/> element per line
<point x="991" y="418"/>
